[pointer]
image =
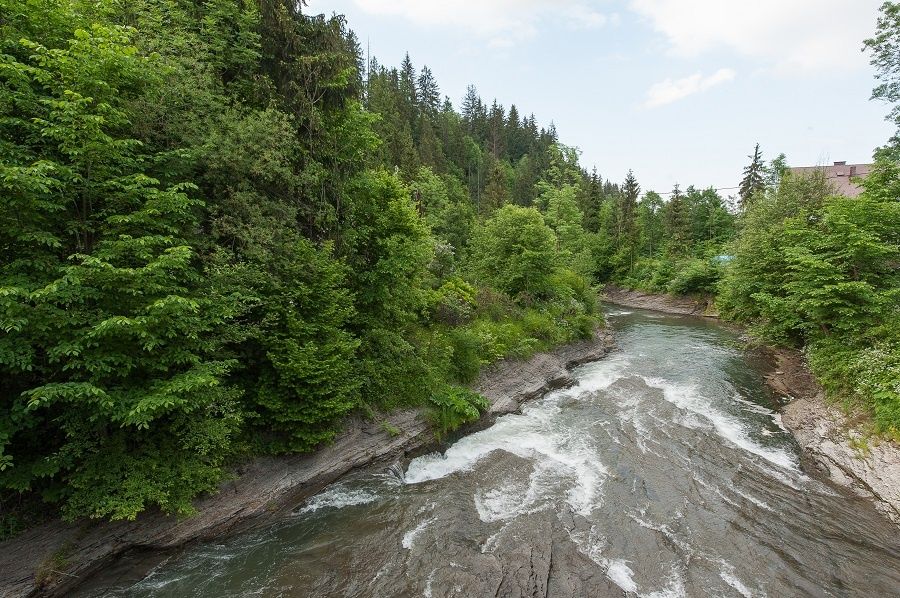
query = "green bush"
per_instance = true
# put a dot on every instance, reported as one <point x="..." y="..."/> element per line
<point x="515" y="251"/>
<point x="466" y="361"/>
<point x="583" y="326"/>
<point x="454" y="302"/>
<point x="572" y="291"/>
<point x="495" y="305"/>
<point x="660" y="276"/>
<point x="540" y="325"/>
<point x="868" y="376"/>
<point x="452" y="406"/>
<point x="695" y="276"/>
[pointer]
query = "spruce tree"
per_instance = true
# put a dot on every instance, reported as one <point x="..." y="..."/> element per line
<point x="408" y="93"/>
<point x="627" y="210"/>
<point x="497" y="130"/>
<point x="496" y="192"/>
<point x="754" y="178"/>
<point x="470" y="105"/>
<point x="429" y="93"/>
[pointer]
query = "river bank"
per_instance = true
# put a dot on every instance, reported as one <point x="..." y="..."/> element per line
<point x="663" y="470"/>
<point x="54" y="558"/>
<point x="670" y="304"/>
<point x="833" y="443"/>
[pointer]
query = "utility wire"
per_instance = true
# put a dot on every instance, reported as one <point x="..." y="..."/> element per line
<point x="828" y="177"/>
<point x="703" y="189"/>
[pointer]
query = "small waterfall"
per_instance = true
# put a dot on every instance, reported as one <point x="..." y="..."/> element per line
<point x="395" y="472"/>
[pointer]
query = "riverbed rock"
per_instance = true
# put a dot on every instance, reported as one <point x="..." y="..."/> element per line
<point x="830" y="442"/>
<point x="54" y="558"/>
<point x="671" y="304"/>
<point x="868" y="466"/>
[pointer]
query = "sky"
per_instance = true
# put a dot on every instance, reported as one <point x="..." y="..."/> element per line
<point x="679" y="91"/>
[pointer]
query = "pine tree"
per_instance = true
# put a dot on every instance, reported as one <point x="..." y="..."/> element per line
<point x="677" y="221"/>
<point x="408" y="92"/>
<point x="429" y="93"/>
<point x="497" y="130"/>
<point x="754" y="178"/>
<point x="591" y="196"/>
<point x="496" y="192"/>
<point x="650" y="226"/>
<point x="627" y="210"/>
<point x="470" y="106"/>
<point x="515" y="138"/>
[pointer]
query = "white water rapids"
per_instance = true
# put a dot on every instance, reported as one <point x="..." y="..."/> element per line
<point x="663" y="472"/>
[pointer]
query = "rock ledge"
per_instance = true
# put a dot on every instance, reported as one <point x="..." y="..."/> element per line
<point x="54" y="558"/>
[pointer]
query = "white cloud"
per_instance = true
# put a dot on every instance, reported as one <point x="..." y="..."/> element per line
<point x="502" y="23"/>
<point x="668" y="91"/>
<point x="583" y="16"/>
<point x="789" y="36"/>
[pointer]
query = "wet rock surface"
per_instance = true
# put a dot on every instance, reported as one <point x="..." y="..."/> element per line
<point x="55" y="558"/>
<point x="661" y="470"/>
<point x="835" y="447"/>
<point x="833" y="444"/>
<point x="687" y="306"/>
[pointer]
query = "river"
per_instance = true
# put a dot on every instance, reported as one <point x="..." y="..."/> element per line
<point x="663" y="472"/>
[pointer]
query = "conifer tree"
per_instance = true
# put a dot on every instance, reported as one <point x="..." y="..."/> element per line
<point x="754" y="178"/>
<point x="408" y="93"/>
<point x="626" y="216"/>
<point x="496" y="192"/>
<point x="470" y="107"/>
<point x="515" y="135"/>
<point x="677" y="221"/>
<point x="429" y="93"/>
<point x="497" y="130"/>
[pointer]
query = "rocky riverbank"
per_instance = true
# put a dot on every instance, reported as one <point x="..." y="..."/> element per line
<point x="833" y="444"/>
<point x="53" y="559"/>
<point x="688" y="306"/>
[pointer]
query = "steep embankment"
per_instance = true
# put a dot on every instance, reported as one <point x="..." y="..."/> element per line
<point x="835" y="443"/>
<point x="689" y="306"/>
<point x="54" y="558"/>
<point x="832" y="443"/>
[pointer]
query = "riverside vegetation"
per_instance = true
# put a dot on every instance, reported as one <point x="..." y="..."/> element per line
<point x="798" y="264"/>
<point x="223" y="231"/>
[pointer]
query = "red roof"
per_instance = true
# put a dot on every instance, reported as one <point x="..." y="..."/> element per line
<point x="840" y="175"/>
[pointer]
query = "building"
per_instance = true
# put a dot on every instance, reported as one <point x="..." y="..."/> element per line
<point x="840" y="175"/>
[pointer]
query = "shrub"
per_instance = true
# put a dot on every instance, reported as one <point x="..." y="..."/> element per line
<point x="515" y="251"/>
<point x="454" y="302"/>
<point x="540" y="325"/>
<point x="695" y="276"/>
<point x="452" y="406"/>
<point x="466" y="361"/>
<point x="570" y="286"/>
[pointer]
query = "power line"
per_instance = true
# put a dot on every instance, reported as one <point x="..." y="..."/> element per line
<point x="704" y="189"/>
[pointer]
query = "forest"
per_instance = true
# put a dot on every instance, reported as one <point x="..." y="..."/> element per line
<point x="224" y="230"/>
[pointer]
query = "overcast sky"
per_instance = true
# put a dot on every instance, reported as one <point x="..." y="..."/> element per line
<point x="677" y="90"/>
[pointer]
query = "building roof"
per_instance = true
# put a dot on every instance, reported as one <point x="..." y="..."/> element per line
<point x="839" y="174"/>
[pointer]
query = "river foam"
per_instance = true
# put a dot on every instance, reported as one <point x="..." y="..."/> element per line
<point x="662" y="472"/>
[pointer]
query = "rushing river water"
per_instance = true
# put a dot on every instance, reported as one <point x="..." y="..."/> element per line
<point x="663" y="472"/>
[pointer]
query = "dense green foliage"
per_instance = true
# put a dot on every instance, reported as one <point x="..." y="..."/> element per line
<point x="222" y="232"/>
<point x="673" y="246"/>
<point x="818" y="270"/>
<point x="801" y="265"/>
